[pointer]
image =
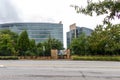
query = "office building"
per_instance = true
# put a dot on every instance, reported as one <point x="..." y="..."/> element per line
<point x="38" y="31"/>
<point x="76" y="31"/>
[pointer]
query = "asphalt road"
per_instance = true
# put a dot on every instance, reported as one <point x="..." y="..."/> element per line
<point x="58" y="70"/>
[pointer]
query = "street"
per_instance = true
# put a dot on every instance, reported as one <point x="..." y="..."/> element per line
<point x="59" y="70"/>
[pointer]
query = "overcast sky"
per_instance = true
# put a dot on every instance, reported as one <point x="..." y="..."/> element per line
<point x="47" y="11"/>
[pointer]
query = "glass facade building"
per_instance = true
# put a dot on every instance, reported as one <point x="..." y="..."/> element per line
<point x="37" y="31"/>
<point x="76" y="31"/>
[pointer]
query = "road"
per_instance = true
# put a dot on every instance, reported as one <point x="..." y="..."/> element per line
<point x="59" y="70"/>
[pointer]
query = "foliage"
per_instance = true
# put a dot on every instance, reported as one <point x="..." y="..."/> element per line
<point x="56" y="44"/>
<point x="97" y="41"/>
<point x="79" y="45"/>
<point x="6" y="45"/>
<point x="32" y="48"/>
<point x="105" y="40"/>
<point x="113" y="39"/>
<point x="40" y="51"/>
<point x="30" y="53"/>
<point x="52" y="44"/>
<point x="13" y="37"/>
<point x="11" y="44"/>
<point x="23" y="43"/>
<point x="110" y="7"/>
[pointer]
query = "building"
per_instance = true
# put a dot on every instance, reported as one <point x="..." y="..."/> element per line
<point x="37" y="31"/>
<point x="76" y="31"/>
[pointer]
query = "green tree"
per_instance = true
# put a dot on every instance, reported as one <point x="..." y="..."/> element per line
<point x="109" y="7"/>
<point x="79" y="46"/>
<point x="113" y="39"/>
<point x="13" y="36"/>
<point x="32" y="48"/>
<point x="6" y="45"/>
<point x="40" y="51"/>
<point x="52" y="44"/>
<point x="56" y="44"/>
<point x="97" y="41"/>
<point x="23" y="43"/>
<point x="105" y="40"/>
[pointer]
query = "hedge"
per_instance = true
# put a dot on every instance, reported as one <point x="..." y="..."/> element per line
<point x="9" y="58"/>
<point x="97" y="58"/>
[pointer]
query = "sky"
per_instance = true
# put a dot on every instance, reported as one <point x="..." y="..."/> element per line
<point x="52" y="11"/>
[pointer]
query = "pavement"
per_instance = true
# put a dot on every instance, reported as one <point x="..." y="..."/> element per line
<point x="59" y="70"/>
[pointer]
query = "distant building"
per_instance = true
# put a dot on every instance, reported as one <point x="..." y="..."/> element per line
<point x="37" y="31"/>
<point x="76" y="31"/>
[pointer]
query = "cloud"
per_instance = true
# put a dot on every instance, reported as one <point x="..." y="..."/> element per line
<point x="7" y="12"/>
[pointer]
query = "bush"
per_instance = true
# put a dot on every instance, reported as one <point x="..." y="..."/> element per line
<point x="29" y="53"/>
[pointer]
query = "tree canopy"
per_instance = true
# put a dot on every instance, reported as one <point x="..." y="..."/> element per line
<point x="52" y="43"/>
<point x="6" y="45"/>
<point x="23" y="43"/>
<point x="79" y="45"/>
<point x="105" y="39"/>
<point x="109" y="7"/>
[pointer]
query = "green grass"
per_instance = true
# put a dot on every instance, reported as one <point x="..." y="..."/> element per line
<point x="97" y="58"/>
<point x="9" y="58"/>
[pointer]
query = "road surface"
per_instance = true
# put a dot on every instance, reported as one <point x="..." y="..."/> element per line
<point x="59" y="70"/>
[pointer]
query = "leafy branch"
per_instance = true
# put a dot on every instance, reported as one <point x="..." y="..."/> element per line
<point x="110" y="7"/>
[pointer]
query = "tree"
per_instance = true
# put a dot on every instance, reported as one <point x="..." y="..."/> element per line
<point x="79" y="45"/>
<point x="13" y="36"/>
<point x="110" y="7"/>
<point x="6" y="45"/>
<point x="56" y="44"/>
<point x="105" y="40"/>
<point x="40" y="50"/>
<point x="23" y="43"/>
<point x="52" y="44"/>
<point x="97" y="41"/>
<point x="32" y="48"/>
<point x="113" y="39"/>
